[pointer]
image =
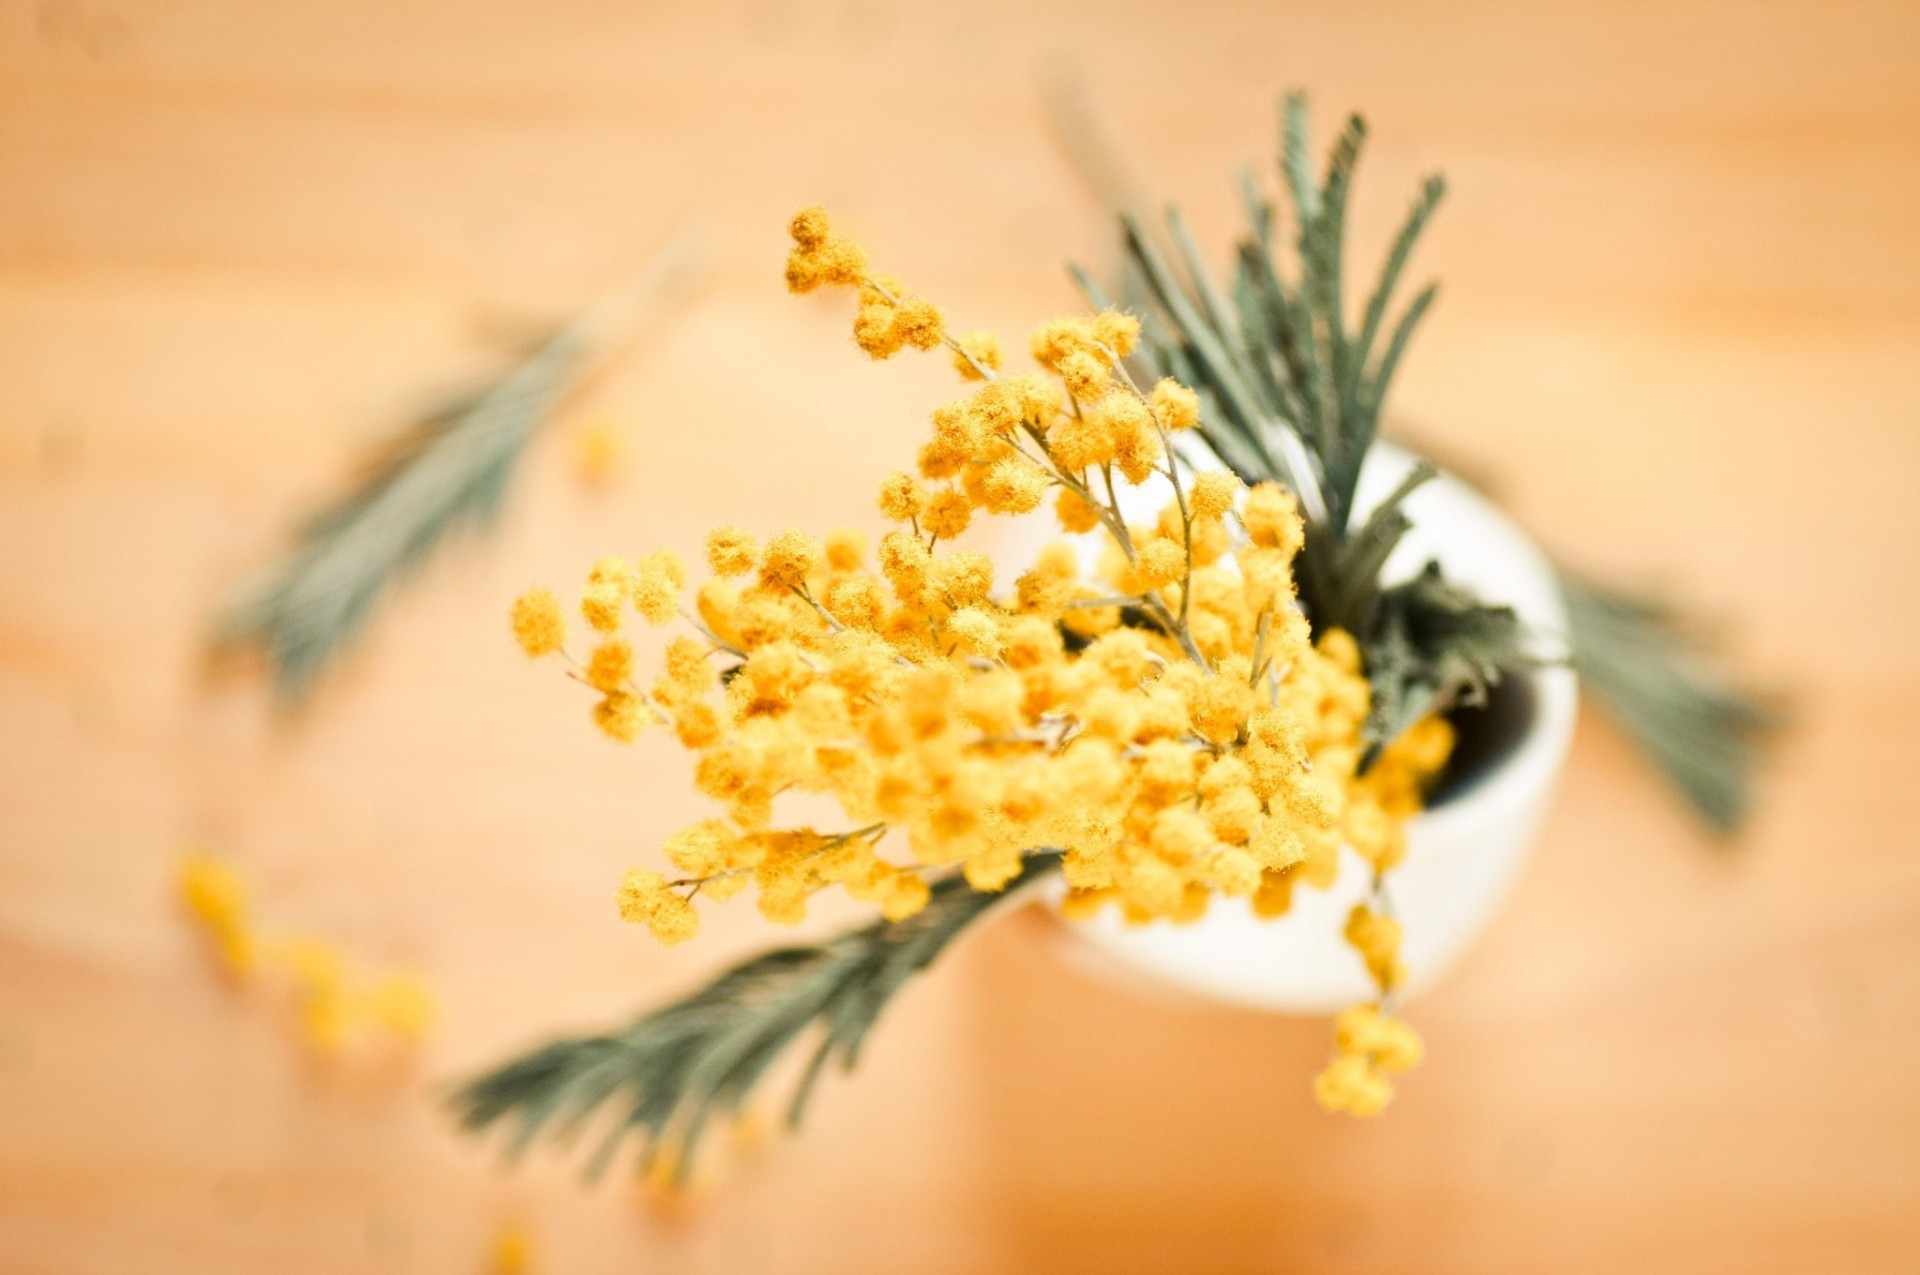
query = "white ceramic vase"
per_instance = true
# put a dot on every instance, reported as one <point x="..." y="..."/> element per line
<point x="1462" y="853"/>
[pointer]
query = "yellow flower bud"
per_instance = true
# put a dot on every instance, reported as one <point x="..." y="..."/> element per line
<point x="1272" y="518"/>
<point x="640" y="893"/>
<point x="537" y="625"/>
<point x="982" y="348"/>
<point x="1177" y="406"/>
<point x="600" y="603"/>
<point x="620" y="716"/>
<point x="731" y="551"/>
<point x="1213" y="493"/>
<point x="610" y="666"/>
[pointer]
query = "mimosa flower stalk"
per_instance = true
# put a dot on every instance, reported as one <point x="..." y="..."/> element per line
<point x="1163" y="726"/>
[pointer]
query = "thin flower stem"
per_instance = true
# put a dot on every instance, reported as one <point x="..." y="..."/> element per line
<point x="1154" y="603"/>
<point x="1173" y="473"/>
<point x="1045" y="741"/>
<point x="1113" y="503"/>
<point x="1115" y="524"/>
<point x="711" y="636"/>
<point x="1261" y="628"/>
<point x="832" y="624"/>
<point x="982" y="370"/>
<point x="873" y="831"/>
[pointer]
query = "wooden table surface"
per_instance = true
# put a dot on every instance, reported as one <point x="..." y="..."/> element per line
<point x="1680" y="337"/>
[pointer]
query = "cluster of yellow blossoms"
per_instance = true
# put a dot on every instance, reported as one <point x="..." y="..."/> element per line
<point x="336" y="1002"/>
<point x="1164" y="719"/>
<point x="1372" y="1047"/>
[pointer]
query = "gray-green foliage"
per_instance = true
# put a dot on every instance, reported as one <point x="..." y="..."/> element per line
<point x="449" y="472"/>
<point x="1293" y="393"/>
<point x="665" y="1077"/>
<point x="1707" y="735"/>
<point x="1433" y="644"/>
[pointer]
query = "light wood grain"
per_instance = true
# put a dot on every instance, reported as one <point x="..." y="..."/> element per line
<point x="1680" y="335"/>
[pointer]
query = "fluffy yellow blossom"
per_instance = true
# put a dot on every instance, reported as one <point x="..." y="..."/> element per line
<point x="1136" y="441"/>
<point x="1160" y="563"/>
<point x="1116" y="332"/>
<point x="612" y="569"/>
<point x="1352" y="1085"/>
<point x="1177" y="406"/>
<point x="512" y="1252"/>
<point x="697" y="725"/>
<point x="600" y="603"/>
<point x="216" y="899"/>
<point x="1080" y="442"/>
<point x="600" y="448"/>
<point x="655" y="586"/>
<point x="731" y="551"/>
<point x="1376" y="937"/>
<point x="324" y="1020"/>
<point x="1085" y="375"/>
<point x="640" y="893"/>
<point x="946" y="514"/>
<point x="1012" y="486"/>
<point x="1058" y="339"/>
<point x="674" y="920"/>
<point x="906" y="895"/>
<point x="1213" y="493"/>
<point x="819" y="256"/>
<point x="620" y="716"/>
<point x="646" y="898"/>
<point x="1392" y="1045"/>
<point x="888" y="319"/>
<point x="809" y="229"/>
<point x="875" y="328"/>
<point x="212" y="892"/>
<point x="918" y="323"/>
<point x="901" y="497"/>
<point x="975" y="631"/>
<point x="537" y="625"/>
<point x="789" y="559"/>
<point x="403" y="1005"/>
<point x="1272" y="519"/>
<point x="1075" y="512"/>
<point x="702" y="849"/>
<point x="338" y="1003"/>
<point x="845" y="549"/>
<point x="977" y="350"/>
<point x="1370" y="1047"/>
<point x="611" y="665"/>
<point x="1108" y="334"/>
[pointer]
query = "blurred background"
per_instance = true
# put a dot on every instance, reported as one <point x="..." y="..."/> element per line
<point x="1679" y="337"/>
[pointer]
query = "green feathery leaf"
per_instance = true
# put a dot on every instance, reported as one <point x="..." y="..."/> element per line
<point x="1424" y="203"/>
<point x="1293" y="394"/>
<point x="1705" y="734"/>
<point x="1366" y="552"/>
<point x="1434" y="646"/>
<point x="672" y="1072"/>
<point x="448" y="472"/>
